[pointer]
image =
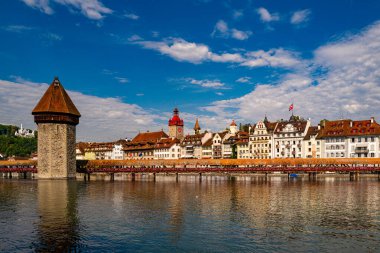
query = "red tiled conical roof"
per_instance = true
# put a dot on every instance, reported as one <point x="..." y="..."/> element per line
<point x="56" y="100"/>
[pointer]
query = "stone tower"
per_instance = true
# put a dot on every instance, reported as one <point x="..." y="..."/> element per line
<point x="197" y="128"/>
<point x="176" y="125"/>
<point x="56" y="117"/>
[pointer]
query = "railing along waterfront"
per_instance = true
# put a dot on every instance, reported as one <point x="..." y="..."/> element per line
<point x="210" y="165"/>
<point x="230" y="165"/>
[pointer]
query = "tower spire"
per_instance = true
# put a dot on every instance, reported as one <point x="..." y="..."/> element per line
<point x="197" y="128"/>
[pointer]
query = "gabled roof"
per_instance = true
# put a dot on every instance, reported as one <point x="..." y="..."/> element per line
<point x="166" y="143"/>
<point x="312" y="131"/>
<point x="299" y="126"/>
<point x="56" y="100"/>
<point x="150" y="136"/>
<point x="347" y="127"/>
<point x="208" y="143"/>
<point x="193" y="139"/>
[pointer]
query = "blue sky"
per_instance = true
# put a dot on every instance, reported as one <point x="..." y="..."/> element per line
<point x="127" y="64"/>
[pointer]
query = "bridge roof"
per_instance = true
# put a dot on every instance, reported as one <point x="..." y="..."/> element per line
<point x="56" y="100"/>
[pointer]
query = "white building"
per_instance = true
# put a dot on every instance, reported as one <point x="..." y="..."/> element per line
<point x="312" y="145"/>
<point x="117" y="150"/>
<point x="168" y="148"/>
<point x="23" y="132"/>
<point x="288" y="137"/>
<point x="348" y="138"/>
<point x="191" y="145"/>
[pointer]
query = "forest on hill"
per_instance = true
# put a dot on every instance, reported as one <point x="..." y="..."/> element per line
<point x="11" y="145"/>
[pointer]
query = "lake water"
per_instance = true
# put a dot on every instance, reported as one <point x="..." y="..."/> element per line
<point x="218" y="214"/>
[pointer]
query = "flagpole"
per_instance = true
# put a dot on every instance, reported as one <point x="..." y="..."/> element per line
<point x="293" y="108"/>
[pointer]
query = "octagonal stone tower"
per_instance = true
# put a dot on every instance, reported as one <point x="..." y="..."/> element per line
<point x="56" y="117"/>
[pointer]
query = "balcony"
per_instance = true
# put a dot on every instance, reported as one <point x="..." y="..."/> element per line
<point x="361" y="150"/>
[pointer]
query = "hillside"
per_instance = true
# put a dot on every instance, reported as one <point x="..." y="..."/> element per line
<point x="11" y="145"/>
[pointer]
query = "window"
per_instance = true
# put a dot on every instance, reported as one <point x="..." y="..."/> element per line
<point x="359" y="139"/>
<point x="352" y="140"/>
<point x="309" y="143"/>
<point x="372" y="139"/>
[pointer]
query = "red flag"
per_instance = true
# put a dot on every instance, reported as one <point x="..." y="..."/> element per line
<point x="291" y="107"/>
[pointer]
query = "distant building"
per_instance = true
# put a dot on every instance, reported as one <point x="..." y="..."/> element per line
<point x="191" y="145"/>
<point x="168" y="148"/>
<point x="312" y="145"/>
<point x="99" y="151"/>
<point x="207" y="148"/>
<point x="23" y="132"/>
<point x="348" y="138"/>
<point x="217" y="144"/>
<point x="142" y="145"/>
<point x="176" y="125"/>
<point x="197" y="128"/>
<point x="261" y="139"/>
<point x="288" y="137"/>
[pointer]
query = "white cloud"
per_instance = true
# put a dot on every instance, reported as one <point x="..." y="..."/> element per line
<point x="266" y="16"/>
<point x="121" y="79"/>
<point x="214" y="84"/>
<point x="103" y="119"/>
<point x="179" y="50"/>
<point x="240" y="35"/>
<point x="131" y="16"/>
<point x="135" y="37"/>
<point x="92" y="9"/>
<point x="274" y="57"/>
<point x="17" y="28"/>
<point x="42" y="5"/>
<point x="219" y="93"/>
<point x="225" y="57"/>
<point x="300" y="17"/>
<point x="221" y="29"/>
<point x="244" y="79"/>
<point x="182" y="50"/>
<point x="350" y="85"/>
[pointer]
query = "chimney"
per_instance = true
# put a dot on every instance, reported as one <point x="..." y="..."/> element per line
<point x="319" y="127"/>
<point x="372" y="120"/>
<point x="350" y="123"/>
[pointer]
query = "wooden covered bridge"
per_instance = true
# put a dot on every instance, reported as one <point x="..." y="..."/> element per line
<point x="353" y="166"/>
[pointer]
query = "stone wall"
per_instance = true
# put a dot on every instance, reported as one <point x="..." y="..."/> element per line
<point x="56" y="150"/>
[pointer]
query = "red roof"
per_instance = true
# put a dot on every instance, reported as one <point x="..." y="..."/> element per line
<point x="150" y="136"/>
<point x="56" y="100"/>
<point x="233" y="123"/>
<point x="175" y="120"/>
<point x="342" y="128"/>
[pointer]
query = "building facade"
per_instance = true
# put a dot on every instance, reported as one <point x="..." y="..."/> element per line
<point x="288" y="137"/>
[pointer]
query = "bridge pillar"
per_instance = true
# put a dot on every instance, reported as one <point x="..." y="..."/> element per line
<point x="176" y="177"/>
<point x="133" y="176"/>
<point x="200" y="177"/>
<point x="112" y="177"/>
<point x="154" y="176"/>
<point x="354" y="175"/>
<point x="10" y="175"/>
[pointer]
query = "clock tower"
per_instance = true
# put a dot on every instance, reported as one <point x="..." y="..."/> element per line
<point x="176" y="125"/>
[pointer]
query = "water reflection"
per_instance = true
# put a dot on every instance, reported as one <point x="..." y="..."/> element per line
<point x="219" y="214"/>
<point x="58" y="227"/>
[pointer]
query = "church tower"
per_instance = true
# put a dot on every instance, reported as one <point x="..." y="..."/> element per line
<point x="233" y="128"/>
<point x="197" y="128"/>
<point x="56" y="117"/>
<point x="176" y="125"/>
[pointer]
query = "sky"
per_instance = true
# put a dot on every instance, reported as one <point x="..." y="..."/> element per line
<point x="126" y="64"/>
